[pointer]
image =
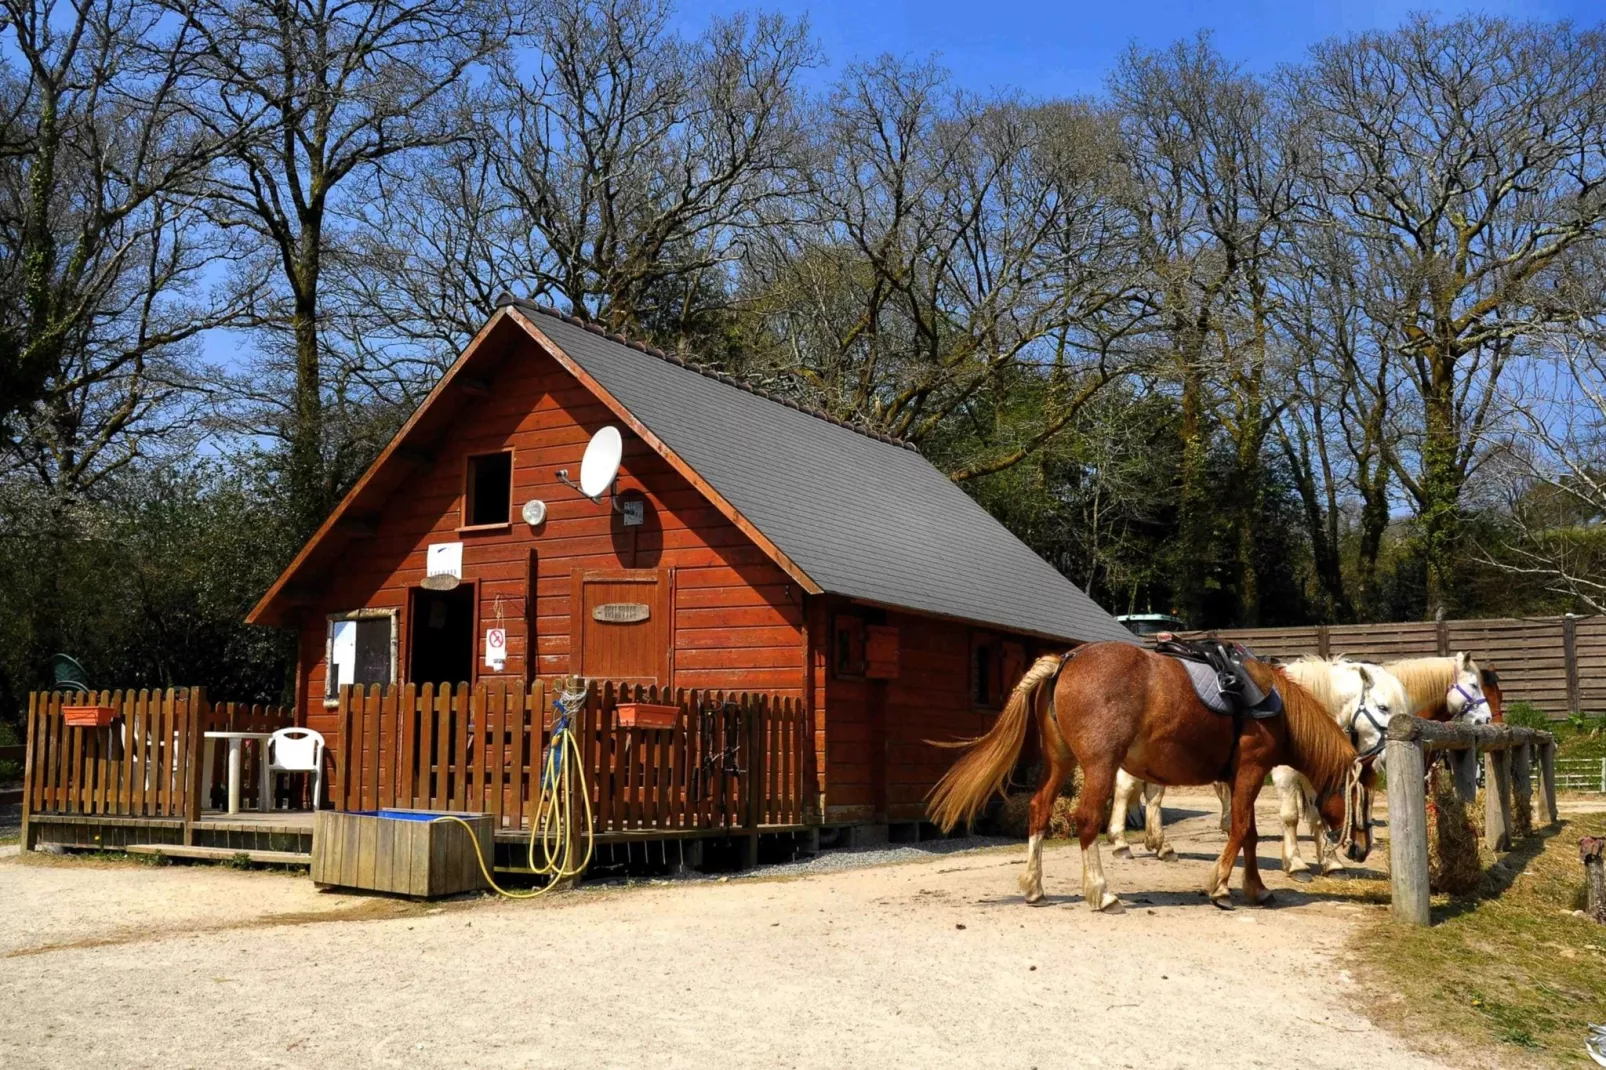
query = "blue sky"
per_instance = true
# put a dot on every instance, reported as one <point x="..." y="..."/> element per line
<point x="1067" y="48"/>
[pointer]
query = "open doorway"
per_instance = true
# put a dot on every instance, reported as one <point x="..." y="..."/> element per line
<point x="441" y="636"/>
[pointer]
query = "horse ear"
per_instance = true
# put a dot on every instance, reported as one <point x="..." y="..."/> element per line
<point x="1366" y="676"/>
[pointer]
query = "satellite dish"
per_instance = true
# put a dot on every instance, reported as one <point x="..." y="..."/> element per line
<point x="534" y="512"/>
<point x="601" y="462"/>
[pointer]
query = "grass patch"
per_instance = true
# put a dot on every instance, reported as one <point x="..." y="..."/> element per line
<point x="1509" y="965"/>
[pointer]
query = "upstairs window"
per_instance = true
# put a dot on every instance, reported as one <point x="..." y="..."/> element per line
<point x="488" y="490"/>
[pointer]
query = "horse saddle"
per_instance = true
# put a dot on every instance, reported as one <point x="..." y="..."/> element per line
<point x="1217" y="672"/>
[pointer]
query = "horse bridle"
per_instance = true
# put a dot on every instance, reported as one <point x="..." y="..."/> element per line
<point x="1473" y="701"/>
<point x="1354" y="733"/>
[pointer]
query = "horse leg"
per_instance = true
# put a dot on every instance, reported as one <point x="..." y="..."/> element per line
<point x="1248" y="789"/>
<point x="1098" y="785"/>
<point x="1327" y="857"/>
<point x="1245" y="788"/>
<point x="1126" y="789"/>
<point x="1056" y="767"/>
<point x="1154" y="823"/>
<point x="1224" y="793"/>
<point x="1291" y="799"/>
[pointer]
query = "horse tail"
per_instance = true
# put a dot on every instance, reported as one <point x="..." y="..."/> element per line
<point x="987" y="760"/>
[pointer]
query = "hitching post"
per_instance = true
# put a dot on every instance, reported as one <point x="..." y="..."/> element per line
<point x="1547" y="781"/>
<point x="1464" y="765"/>
<point x="1521" y="779"/>
<point x="1497" y="800"/>
<point x="1408" y="826"/>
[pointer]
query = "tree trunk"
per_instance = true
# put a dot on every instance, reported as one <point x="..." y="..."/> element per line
<point x="1193" y="506"/>
<point x="309" y="492"/>
<point x="1439" y="508"/>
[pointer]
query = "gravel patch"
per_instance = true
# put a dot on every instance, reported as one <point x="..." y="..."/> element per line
<point x="832" y="860"/>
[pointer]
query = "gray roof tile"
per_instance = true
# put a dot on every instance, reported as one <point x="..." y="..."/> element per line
<point x="862" y="516"/>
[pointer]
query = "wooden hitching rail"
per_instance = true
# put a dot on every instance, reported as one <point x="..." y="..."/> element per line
<point x="732" y="761"/>
<point x="1508" y="755"/>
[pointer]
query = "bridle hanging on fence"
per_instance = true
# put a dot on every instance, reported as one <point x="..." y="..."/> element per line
<point x="711" y="764"/>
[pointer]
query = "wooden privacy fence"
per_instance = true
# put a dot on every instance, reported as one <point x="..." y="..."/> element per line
<point x="730" y="762"/>
<point x="146" y="763"/>
<point x="1556" y="663"/>
<point x="1508" y="755"/>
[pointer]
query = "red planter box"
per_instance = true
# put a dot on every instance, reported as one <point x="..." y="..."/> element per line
<point x="647" y="715"/>
<point x="88" y="716"/>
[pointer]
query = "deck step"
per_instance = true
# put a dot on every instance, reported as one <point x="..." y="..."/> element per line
<point x="220" y="854"/>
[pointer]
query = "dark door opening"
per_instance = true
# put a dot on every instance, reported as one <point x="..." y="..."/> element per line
<point x="441" y="636"/>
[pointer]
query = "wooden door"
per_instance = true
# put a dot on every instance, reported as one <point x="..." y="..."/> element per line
<point x="623" y="626"/>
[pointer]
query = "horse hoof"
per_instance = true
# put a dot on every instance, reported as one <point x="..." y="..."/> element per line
<point x="1221" y="902"/>
<point x="1123" y="851"/>
<point x="1265" y="898"/>
<point x="1303" y="876"/>
<point x="1110" y="903"/>
<point x="1332" y="869"/>
<point x="1167" y="853"/>
<point x="1034" y="897"/>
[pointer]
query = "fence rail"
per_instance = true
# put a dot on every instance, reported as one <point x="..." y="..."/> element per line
<point x="1509" y="759"/>
<point x="1556" y="663"/>
<point x="1581" y="774"/>
<point x="731" y="761"/>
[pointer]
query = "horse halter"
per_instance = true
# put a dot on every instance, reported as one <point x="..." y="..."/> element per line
<point x="1473" y="701"/>
<point x="1354" y="733"/>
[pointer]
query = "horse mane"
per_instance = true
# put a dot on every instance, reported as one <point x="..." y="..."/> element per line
<point x="1315" y="675"/>
<point x="1320" y="748"/>
<point x="1426" y="680"/>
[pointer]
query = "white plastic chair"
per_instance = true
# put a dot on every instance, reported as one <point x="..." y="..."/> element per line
<point x="297" y="750"/>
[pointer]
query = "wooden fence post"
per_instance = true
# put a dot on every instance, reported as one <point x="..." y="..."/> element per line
<point x="753" y="711"/>
<point x="195" y="719"/>
<point x="1408" y="831"/>
<point x="1547" y="781"/>
<point x="31" y="767"/>
<point x="1569" y="653"/>
<point x="1497" y="800"/>
<point x="1464" y="767"/>
<point x="1522" y="782"/>
<point x="1589" y="852"/>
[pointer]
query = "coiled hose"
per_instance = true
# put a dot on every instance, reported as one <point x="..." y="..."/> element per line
<point x="563" y="778"/>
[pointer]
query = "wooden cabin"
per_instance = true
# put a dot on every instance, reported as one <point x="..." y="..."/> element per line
<point x="750" y="545"/>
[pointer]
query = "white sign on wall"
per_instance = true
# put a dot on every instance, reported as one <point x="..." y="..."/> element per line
<point x="443" y="565"/>
<point x="496" y="648"/>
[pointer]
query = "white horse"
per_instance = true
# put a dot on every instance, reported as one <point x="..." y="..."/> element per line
<point x="1342" y="688"/>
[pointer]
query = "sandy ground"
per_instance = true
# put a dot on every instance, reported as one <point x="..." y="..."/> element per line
<point x="918" y="965"/>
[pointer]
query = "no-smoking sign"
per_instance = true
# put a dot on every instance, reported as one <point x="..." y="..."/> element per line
<point x="495" y="648"/>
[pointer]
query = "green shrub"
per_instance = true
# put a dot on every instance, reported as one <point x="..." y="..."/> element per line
<point x="1527" y="715"/>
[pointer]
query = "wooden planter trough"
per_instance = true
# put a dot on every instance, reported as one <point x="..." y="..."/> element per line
<point x="403" y="852"/>
<point x="647" y="715"/>
<point x="88" y="716"/>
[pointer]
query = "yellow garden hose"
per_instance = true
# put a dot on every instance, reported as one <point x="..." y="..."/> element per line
<point x="562" y="779"/>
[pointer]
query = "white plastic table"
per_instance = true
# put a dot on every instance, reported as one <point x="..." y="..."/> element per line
<point x="236" y="762"/>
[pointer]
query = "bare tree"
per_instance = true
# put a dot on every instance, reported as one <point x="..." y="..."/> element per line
<point x="956" y="247"/>
<point x="635" y="164"/>
<point x="1468" y="162"/>
<point x="318" y="99"/>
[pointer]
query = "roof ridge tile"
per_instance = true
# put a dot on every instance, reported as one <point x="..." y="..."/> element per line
<point x="711" y="373"/>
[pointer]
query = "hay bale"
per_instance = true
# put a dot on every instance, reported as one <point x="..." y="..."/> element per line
<point x="1454" y="866"/>
<point x="1522" y="814"/>
<point x="1009" y="817"/>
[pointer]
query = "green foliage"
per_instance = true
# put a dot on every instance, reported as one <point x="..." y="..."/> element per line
<point x="148" y="586"/>
<point x="1527" y="715"/>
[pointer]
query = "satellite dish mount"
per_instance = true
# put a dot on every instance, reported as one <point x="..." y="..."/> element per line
<point x="599" y="468"/>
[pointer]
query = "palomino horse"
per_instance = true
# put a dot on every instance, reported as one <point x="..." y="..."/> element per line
<point x="1116" y="705"/>
<point x="1358" y="705"/>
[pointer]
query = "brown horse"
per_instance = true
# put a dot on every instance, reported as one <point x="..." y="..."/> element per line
<point x="1118" y="706"/>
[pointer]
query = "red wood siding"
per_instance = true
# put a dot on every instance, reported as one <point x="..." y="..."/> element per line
<point x="738" y="619"/>
<point x="866" y="735"/>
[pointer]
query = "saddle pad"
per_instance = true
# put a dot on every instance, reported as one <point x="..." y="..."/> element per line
<point x="1206" y="686"/>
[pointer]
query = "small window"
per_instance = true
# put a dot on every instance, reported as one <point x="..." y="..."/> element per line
<point x="361" y="649"/>
<point x="488" y="494"/>
<point x="986" y="671"/>
<point x="848" y="659"/>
